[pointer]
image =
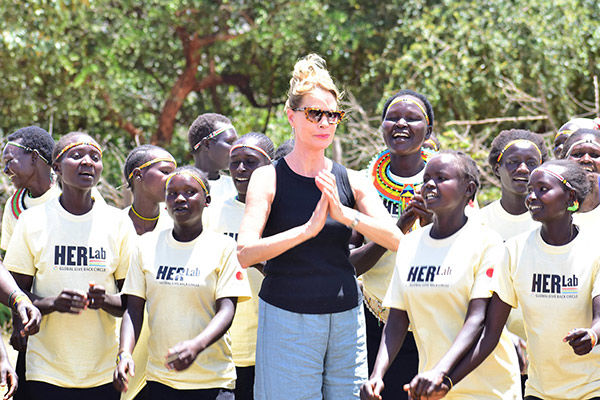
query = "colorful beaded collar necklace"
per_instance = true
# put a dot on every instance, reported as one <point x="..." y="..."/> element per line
<point x="389" y="189"/>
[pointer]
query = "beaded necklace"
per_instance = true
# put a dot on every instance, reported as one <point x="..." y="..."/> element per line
<point x="387" y="187"/>
<point x="17" y="202"/>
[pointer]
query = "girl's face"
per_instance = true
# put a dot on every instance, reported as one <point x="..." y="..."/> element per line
<point x="18" y="165"/>
<point x="587" y="154"/>
<point x="516" y="164"/>
<point x="548" y="197"/>
<point x="243" y="161"/>
<point x="444" y="188"/>
<point x="185" y="200"/>
<point x="154" y="177"/>
<point x="405" y="127"/>
<point x="221" y="145"/>
<point x="317" y="135"/>
<point x="81" y="166"/>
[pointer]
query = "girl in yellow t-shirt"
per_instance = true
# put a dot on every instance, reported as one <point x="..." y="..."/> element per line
<point x="441" y="287"/>
<point x="146" y="170"/>
<point x="71" y="254"/>
<point x="552" y="273"/>
<point x="248" y="153"/>
<point x="190" y="281"/>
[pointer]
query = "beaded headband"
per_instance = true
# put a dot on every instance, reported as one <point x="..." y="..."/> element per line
<point x="565" y="132"/>
<point x="518" y="141"/>
<point x="409" y="100"/>
<point x="154" y="161"/>
<point x="187" y="173"/>
<point x="75" y="144"/>
<point x="213" y="134"/>
<point x="432" y="143"/>
<point x="26" y="148"/>
<point x="582" y="141"/>
<point x="556" y="175"/>
<point x="250" y="146"/>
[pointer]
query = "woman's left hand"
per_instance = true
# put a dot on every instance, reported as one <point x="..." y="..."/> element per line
<point x="30" y="318"/>
<point x="96" y="296"/>
<point x="182" y="355"/>
<point x="9" y="379"/>
<point x="327" y="184"/>
<point x="427" y="385"/>
<point x="580" y="340"/>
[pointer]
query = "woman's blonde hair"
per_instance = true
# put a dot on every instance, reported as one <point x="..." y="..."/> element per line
<point x="310" y="72"/>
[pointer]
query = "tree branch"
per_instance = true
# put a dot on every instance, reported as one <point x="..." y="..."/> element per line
<point x="120" y="121"/>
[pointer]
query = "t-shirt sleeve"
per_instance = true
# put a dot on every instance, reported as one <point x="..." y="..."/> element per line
<point x="394" y="297"/>
<point x="596" y="277"/>
<point x="489" y="261"/>
<point x="503" y="277"/>
<point x="232" y="278"/>
<point x="126" y="245"/>
<point x="135" y="282"/>
<point x="19" y="257"/>
<point x="7" y="226"/>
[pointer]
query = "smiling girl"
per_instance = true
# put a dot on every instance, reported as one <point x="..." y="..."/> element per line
<point x="190" y="280"/>
<point x="441" y="287"/>
<point x="550" y="268"/>
<point x="72" y="255"/>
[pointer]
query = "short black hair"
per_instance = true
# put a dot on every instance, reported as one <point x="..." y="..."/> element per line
<point x="407" y="92"/>
<point x="137" y="157"/>
<point x="576" y="176"/>
<point x="505" y="137"/>
<point x="64" y="141"/>
<point x="574" y="137"/>
<point x="284" y="149"/>
<point x="35" y="138"/>
<point x="467" y="167"/>
<point x="263" y="142"/>
<point x="203" y="126"/>
<point x="190" y="169"/>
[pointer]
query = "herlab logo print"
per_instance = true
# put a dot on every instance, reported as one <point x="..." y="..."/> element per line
<point x="426" y="275"/>
<point x="79" y="258"/>
<point x="180" y="276"/>
<point x="554" y="286"/>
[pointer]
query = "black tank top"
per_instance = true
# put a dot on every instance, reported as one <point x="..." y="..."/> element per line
<point x="315" y="277"/>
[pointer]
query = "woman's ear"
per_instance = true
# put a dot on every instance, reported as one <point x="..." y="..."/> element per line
<point x="471" y="189"/>
<point x="56" y="168"/>
<point x="207" y="201"/>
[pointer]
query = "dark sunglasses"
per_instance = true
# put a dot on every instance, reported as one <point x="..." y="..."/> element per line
<point x="315" y="115"/>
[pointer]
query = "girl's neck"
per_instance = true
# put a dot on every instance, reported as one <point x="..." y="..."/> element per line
<point x="307" y="162"/>
<point x="205" y="165"/>
<point x="448" y="224"/>
<point x="186" y="233"/>
<point x="406" y="165"/>
<point x="592" y="200"/>
<point x="76" y="201"/>
<point x="559" y="232"/>
<point x="41" y="184"/>
<point x="147" y="209"/>
<point x="512" y="203"/>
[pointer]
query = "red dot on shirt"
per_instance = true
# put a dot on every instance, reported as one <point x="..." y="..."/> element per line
<point x="490" y="272"/>
<point x="239" y="275"/>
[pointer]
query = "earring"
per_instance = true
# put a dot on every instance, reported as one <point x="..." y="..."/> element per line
<point x="574" y="207"/>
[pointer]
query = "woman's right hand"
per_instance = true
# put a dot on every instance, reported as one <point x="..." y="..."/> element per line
<point x="371" y="389"/>
<point x="18" y="341"/>
<point x="317" y="220"/>
<point x="70" y="301"/>
<point x="125" y="367"/>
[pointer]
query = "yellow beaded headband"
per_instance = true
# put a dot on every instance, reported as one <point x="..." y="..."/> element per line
<point x="409" y="100"/>
<point x="75" y="144"/>
<point x="582" y="141"/>
<point x="433" y="144"/>
<point x="26" y="148"/>
<point x="187" y="173"/>
<point x="250" y="146"/>
<point x="212" y="135"/>
<point x="154" y="161"/>
<point x="565" y="132"/>
<point x="518" y="141"/>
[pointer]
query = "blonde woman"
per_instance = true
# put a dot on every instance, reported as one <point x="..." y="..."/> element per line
<point x="299" y="216"/>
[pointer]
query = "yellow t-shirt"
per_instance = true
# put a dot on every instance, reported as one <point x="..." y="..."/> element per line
<point x="222" y="189"/>
<point x="586" y="220"/>
<point x="62" y="250"/>
<point x="226" y="218"/>
<point x="434" y="281"/>
<point x="508" y="225"/>
<point x="181" y="282"/>
<point x="16" y="204"/>
<point x="554" y="285"/>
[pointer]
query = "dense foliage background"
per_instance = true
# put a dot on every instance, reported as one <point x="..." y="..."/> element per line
<point x="131" y="72"/>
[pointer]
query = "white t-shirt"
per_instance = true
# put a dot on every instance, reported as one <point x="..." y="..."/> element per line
<point x="222" y="189"/>
<point x="434" y="281"/>
<point x="181" y="282"/>
<point x="554" y="286"/>
<point x="61" y="250"/>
